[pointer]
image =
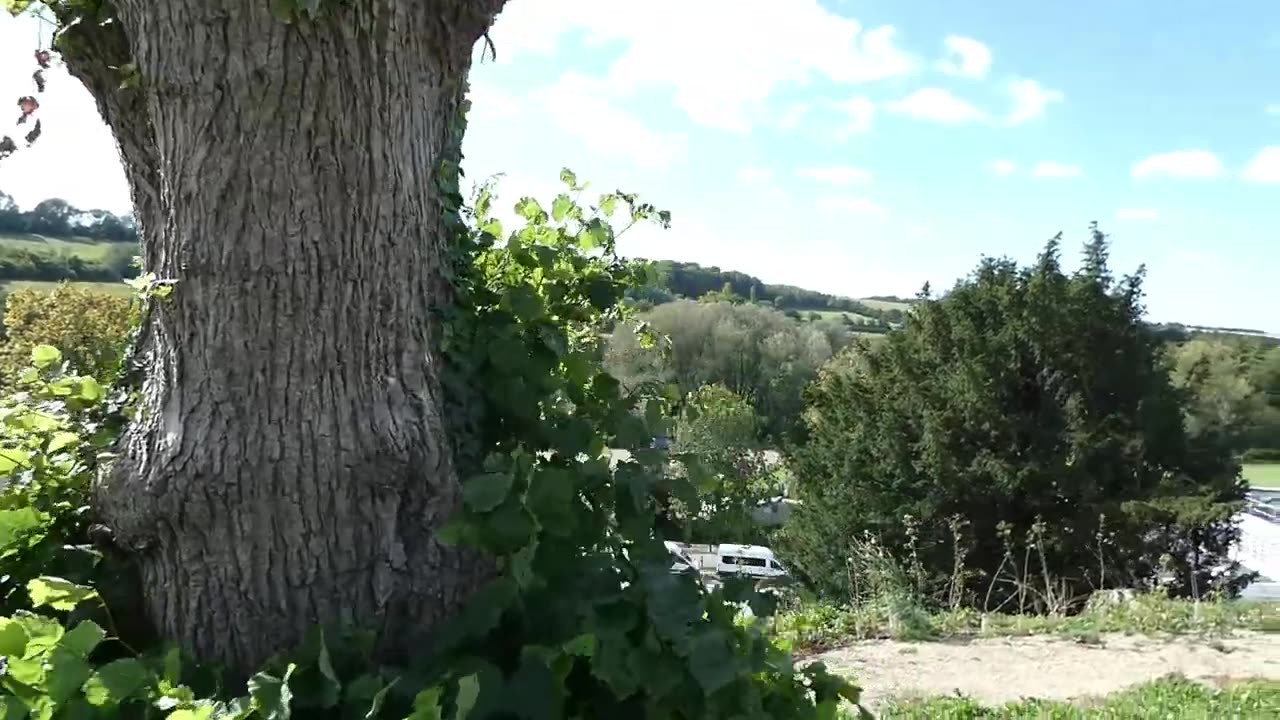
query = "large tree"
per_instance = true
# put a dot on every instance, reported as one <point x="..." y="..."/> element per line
<point x="290" y="462"/>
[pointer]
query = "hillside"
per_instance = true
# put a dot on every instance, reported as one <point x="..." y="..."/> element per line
<point x="671" y="279"/>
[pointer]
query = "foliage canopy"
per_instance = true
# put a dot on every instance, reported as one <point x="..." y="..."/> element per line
<point x="1029" y="406"/>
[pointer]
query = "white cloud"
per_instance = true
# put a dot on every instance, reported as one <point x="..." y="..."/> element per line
<point x="1140" y="214"/>
<point x="723" y="59"/>
<point x="859" y="112"/>
<point x="752" y="174"/>
<point x="966" y="58"/>
<point x="579" y="105"/>
<point x="936" y="105"/>
<point x="1264" y="168"/>
<point x="837" y="174"/>
<point x="1051" y="169"/>
<point x="1179" y="164"/>
<point x="1272" y="109"/>
<point x="852" y="205"/>
<point x="1003" y="168"/>
<point x="1030" y="100"/>
<point x="793" y="115"/>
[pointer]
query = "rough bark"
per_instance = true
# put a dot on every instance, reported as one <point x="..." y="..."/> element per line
<point x="289" y="464"/>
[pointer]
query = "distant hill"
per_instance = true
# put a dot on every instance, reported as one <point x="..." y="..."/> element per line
<point x="672" y="279"/>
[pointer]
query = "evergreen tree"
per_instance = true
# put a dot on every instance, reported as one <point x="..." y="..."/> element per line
<point x="1031" y="403"/>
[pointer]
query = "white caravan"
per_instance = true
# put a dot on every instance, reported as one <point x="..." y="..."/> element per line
<point x="751" y="560"/>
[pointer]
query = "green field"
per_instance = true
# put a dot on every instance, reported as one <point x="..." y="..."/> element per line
<point x="84" y="247"/>
<point x="885" y="305"/>
<point x="114" y="288"/>
<point x="1262" y="475"/>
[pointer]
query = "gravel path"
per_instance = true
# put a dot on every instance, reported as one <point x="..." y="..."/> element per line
<point x="1004" y="669"/>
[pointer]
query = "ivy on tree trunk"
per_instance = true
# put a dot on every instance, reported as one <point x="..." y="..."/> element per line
<point x="289" y="463"/>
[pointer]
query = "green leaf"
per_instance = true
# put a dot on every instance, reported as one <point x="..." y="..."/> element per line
<point x="42" y="356"/>
<point x="83" y="638"/>
<point x="12" y="459"/>
<point x="608" y="203"/>
<point x="116" y="682"/>
<point x="13" y="638"/>
<point x="66" y="673"/>
<point x="711" y="661"/>
<point x="58" y="593"/>
<point x="15" y="525"/>
<point x="568" y="177"/>
<point x="482" y="493"/>
<point x="468" y="693"/>
<point x="530" y="210"/>
<point x="90" y="390"/>
<point x="271" y="695"/>
<point x="560" y="207"/>
<point x="62" y="440"/>
<point x="17" y="7"/>
<point x="204" y="712"/>
<point x="551" y="499"/>
<point x="426" y="705"/>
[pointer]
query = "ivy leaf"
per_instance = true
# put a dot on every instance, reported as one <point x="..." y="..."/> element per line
<point x="13" y="638"/>
<point x="62" y="440"/>
<point x="711" y="661"/>
<point x="482" y="493"/>
<point x="90" y="390"/>
<point x="43" y="356"/>
<point x="530" y="210"/>
<point x="533" y="692"/>
<point x="82" y="639"/>
<point x="568" y="177"/>
<point x="65" y="674"/>
<point x="58" y="594"/>
<point x="468" y="693"/>
<point x="426" y="705"/>
<point x="204" y="712"/>
<point x="271" y="695"/>
<point x="15" y="525"/>
<point x="560" y="207"/>
<point x="551" y="500"/>
<point x="115" y="682"/>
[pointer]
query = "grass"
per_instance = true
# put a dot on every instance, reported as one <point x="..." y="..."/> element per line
<point x="113" y="288"/>
<point x="1169" y="697"/>
<point x="1262" y="475"/>
<point x="817" y="627"/>
<point x="885" y="305"/>
<point x="84" y="247"/>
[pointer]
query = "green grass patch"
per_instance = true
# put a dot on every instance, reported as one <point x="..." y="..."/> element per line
<point x="84" y="247"/>
<point x="817" y="627"/>
<point x="111" y="288"/>
<point x="1262" y="475"/>
<point x="1169" y="697"/>
<point x="886" y="305"/>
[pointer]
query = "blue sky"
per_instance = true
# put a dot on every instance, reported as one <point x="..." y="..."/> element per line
<point x="867" y="147"/>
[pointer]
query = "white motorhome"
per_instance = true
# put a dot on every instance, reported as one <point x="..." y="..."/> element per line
<point x="754" y="561"/>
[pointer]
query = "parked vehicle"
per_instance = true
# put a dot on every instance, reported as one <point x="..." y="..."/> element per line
<point x="754" y="561"/>
<point x="681" y="562"/>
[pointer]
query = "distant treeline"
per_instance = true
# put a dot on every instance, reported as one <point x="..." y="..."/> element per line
<point x="57" y="218"/>
<point x="110" y="243"/>
<point x="673" y="280"/>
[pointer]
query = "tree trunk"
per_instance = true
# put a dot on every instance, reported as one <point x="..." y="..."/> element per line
<point x="289" y="464"/>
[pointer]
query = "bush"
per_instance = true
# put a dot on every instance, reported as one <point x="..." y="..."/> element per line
<point x="1024" y="425"/>
<point x="88" y="326"/>
<point x="583" y="618"/>
<point x="1261" y="455"/>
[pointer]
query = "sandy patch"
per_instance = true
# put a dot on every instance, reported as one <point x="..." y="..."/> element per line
<point x="998" y="670"/>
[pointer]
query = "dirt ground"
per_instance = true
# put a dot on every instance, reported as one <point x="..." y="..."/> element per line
<point x="999" y="670"/>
